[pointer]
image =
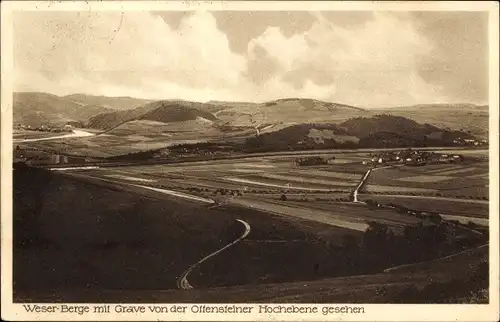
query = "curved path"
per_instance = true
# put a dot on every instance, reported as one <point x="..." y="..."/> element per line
<point x="183" y="283"/>
<point x="395" y="268"/>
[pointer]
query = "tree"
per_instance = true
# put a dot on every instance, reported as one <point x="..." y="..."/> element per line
<point x="372" y="203"/>
<point x="283" y="197"/>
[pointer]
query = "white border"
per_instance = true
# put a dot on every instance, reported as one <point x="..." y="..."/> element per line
<point x="373" y="312"/>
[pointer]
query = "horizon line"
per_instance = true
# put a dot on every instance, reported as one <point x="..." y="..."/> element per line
<point x="478" y="104"/>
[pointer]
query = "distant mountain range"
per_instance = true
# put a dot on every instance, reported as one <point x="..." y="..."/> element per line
<point x="41" y="108"/>
<point x="115" y="103"/>
<point x="105" y="113"/>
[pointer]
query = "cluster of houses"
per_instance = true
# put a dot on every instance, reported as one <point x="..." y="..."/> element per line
<point x="45" y="128"/>
<point x="474" y="142"/>
<point x="415" y="157"/>
<point x="314" y="160"/>
<point x="40" y="158"/>
<point x="200" y="149"/>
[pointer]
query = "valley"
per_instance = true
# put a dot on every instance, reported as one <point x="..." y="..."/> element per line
<point x="296" y="197"/>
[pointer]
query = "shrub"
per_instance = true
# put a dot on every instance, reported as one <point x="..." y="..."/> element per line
<point x="471" y="225"/>
<point x="372" y="203"/>
<point x="435" y="218"/>
<point x="283" y="197"/>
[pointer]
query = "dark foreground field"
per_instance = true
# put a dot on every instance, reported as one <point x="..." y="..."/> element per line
<point x="77" y="235"/>
<point x="420" y="283"/>
<point x="80" y="239"/>
<point x="72" y="235"/>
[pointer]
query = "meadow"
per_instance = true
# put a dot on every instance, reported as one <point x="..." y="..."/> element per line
<point x="444" y="180"/>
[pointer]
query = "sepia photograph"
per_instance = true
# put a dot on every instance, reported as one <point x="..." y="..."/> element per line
<point x="217" y="155"/>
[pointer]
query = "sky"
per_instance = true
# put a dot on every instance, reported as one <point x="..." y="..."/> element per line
<point x="362" y="58"/>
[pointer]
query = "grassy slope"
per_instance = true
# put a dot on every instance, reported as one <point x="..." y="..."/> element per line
<point x="73" y="234"/>
<point x="378" y="288"/>
<point x="289" y="111"/>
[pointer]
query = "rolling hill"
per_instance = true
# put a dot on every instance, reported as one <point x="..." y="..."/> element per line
<point x="43" y="108"/>
<point x="47" y="109"/>
<point x="465" y="117"/>
<point x="379" y="131"/>
<point x="115" y="103"/>
<point x="287" y="111"/>
<point x="160" y="111"/>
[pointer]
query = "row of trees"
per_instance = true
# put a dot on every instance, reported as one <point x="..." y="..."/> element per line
<point x="381" y="247"/>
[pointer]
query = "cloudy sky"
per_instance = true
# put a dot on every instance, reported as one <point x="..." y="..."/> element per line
<point x="368" y="59"/>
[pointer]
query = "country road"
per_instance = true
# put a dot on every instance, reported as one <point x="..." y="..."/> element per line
<point x="365" y="177"/>
<point x="361" y="183"/>
<point x="160" y="190"/>
<point x="183" y="283"/>
<point x="175" y="193"/>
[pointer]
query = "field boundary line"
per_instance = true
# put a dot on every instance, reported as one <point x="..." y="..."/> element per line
<point x="390" y="269"/>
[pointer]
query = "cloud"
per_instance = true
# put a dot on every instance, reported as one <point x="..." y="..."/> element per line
<point x="114" y="53"/>
<point x="459" y="61"/>
<point x="367" y="59"/>
<point x="367" y="66"/>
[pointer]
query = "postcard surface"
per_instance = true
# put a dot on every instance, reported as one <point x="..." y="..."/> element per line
<point x="245" y="161"/>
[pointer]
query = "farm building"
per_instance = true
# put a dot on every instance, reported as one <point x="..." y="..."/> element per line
<point x="314" y="160"/>
<point x="387" y="157"/>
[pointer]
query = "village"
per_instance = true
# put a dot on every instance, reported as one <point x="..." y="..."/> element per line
<point x="416" y="157"/>
<point x="45" y="128"/>
<point x="407" y="156"/>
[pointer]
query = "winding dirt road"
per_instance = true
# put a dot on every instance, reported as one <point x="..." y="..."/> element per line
<point x="183" y="283"/>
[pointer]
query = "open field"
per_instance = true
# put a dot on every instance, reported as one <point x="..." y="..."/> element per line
<point x="452" y="207"/>
<point x="26" y="134"/>
<point x="106" y="145"/>
<point x="361" y="213"/>
<point x="138" y="136"/>
<point x="278" y="174"/>
<point x="449" y="180"/>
